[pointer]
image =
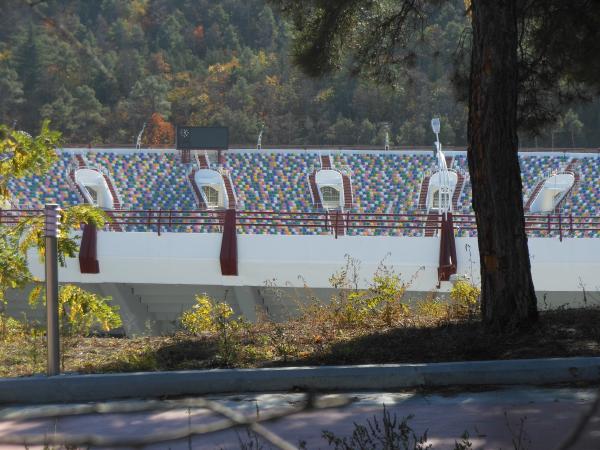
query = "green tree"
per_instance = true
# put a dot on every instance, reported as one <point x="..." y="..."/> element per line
<point x="511" y="81"/>
<point x="25" y="155"/>
<point x="11" y="90"/>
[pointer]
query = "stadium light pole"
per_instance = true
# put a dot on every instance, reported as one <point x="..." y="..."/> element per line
<point x="444" y="177"/>
<point x="51" y="216"/>
<point x="138" y="141"/>
<point x="259" y="141"/>
<point x="435" y="126"/>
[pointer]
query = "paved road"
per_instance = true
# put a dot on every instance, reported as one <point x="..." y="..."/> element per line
<point x="524" y="418"/>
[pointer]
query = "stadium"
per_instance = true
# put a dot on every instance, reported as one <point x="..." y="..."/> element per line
<point x="265" y="228"/>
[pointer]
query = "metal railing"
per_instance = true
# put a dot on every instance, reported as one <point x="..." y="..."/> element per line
<point x="164" y="220"/>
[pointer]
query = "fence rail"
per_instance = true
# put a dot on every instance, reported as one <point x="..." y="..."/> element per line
<point x="162" y="220"/>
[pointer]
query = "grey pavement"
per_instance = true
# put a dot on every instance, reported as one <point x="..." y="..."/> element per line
<point x="521" y="417"/>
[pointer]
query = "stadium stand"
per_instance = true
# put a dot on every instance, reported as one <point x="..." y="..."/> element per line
<point x="382" y="183"/>
<point x="148" y="180"/>
<point x="273" y="182"/>
<point x="34" y="192"/>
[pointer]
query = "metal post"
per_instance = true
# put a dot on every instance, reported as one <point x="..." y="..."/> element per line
<point x="52" y="331"/>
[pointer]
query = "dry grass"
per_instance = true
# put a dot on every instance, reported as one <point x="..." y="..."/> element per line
<point x="427" y="332"/>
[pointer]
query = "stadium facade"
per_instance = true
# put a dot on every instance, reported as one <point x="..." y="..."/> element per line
<point x="267" y="228"/>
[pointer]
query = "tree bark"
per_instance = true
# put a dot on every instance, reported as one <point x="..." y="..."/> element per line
<point x="507" y="294"/>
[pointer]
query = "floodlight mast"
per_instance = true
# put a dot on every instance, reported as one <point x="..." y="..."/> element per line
<point x="138" y="142"/>
<point x="259" y="140"/>
<point x="444" y="177"/>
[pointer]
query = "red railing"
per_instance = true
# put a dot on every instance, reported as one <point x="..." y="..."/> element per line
<point x="321" y="222"/>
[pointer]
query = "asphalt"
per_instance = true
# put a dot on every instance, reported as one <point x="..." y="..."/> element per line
<point x="522" y="417"/>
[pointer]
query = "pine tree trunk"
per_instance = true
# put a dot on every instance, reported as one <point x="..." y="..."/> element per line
<point x="507" y="294"/>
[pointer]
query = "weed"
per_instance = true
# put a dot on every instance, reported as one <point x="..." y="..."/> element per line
<point x="465" y="299"/>
<point x="218" y="318"/>
<point x="387" y="433"/>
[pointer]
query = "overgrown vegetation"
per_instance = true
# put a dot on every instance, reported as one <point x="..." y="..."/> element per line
<point x="80" y="312"/>
<point x="378" y="324"/>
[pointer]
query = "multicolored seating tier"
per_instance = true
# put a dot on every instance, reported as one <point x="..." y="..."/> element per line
<point x="34" y="192"/>
<point x="382" y="182"/>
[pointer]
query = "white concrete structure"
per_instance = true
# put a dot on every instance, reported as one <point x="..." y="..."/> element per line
<point x="155" y="278"/>
<point x="331" y="188"/>
<point x="212" y="188"/>
<point x="94" y="187"/>
<point x="437" y="183"/>
<point x="552" y="192"/>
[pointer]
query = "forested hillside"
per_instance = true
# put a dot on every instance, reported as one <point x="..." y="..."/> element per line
<point x="100" y="69"/>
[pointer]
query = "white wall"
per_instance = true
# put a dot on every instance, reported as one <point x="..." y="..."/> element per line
<point x="193" y="258"/>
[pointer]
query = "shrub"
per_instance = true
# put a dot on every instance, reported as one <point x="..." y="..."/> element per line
<point x="465" y="298"/>
<point x="381" y="303"/>
<point x="431" y="308"/>
<point x="212" y="317"/>
<point x="208" y="316"/>
<point x="10" y="328"/>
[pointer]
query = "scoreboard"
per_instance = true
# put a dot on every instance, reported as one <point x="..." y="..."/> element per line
<point x="202" y="138"/>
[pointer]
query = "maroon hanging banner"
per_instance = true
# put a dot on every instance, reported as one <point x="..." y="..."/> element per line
<point x="88" y="259"/>
<point x="447" y="265"/>
<point x="229" y="261"/>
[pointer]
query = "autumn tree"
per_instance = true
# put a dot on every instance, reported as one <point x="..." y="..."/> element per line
<point x="159" y="131"/>
<point x="524" y="62"/>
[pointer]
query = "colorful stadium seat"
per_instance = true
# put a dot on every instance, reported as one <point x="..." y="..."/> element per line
<point x="382" y="182"/>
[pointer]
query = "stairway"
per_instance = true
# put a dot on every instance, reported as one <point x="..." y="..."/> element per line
<point x="432" y="224"/>
<point x="203" y="162"/>
<point x="449" y="161"/>
<point x="572" y="169"/>
<point x="81" y="163"/>
<point x="325" y="162"/>
<point x="76" y="186"/>
<point x="534" y="194"/>
<point x="423" y="193"/>
<point x="314" y="190"/>
<point x="340" y="226"/>
<point x="229" y="189"/>
<point x="460" y="182"/>
<point x="197" y="195"/>
<point x="348" y="198"/>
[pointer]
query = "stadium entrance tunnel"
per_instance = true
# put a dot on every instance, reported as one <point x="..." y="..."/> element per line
<point x="94" y="188"/>
<point x="212" y="188"/>
<point x="330" y="187"/>
<point x="433" y="192"/>
<point x="553" y="190"/>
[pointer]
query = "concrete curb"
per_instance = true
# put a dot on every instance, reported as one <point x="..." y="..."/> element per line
<point x="80" y="388"/>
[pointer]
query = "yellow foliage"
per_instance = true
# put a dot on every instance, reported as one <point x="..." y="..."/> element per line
<point x="139" y="7"/>
<point x="225" y="67"/>
<point x="261" y="58"/>
<point x="324" y="94"/>
<point x="208" y="316"/>
<point x="81" y="311"/>
<point x="431" y="307"/>
<point x="465" y="297"/>
<point x="272" y="80"/>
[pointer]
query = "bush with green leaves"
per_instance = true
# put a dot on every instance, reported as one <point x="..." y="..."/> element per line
<point x="25" y="155"/>
<point x="381" y="303"/>
<point x="81" y="312"/>
<point x="210" y="316"/>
